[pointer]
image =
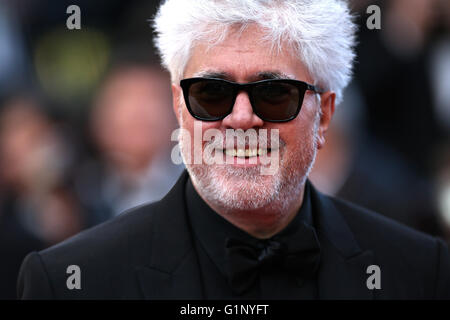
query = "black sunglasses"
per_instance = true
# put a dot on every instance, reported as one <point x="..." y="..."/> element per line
<point x="273" y="100"/>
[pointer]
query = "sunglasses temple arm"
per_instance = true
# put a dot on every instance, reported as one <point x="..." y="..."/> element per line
<point x="314" y="88"/>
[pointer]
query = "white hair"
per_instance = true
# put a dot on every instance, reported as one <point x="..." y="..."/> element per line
<point x="320" y="32"/>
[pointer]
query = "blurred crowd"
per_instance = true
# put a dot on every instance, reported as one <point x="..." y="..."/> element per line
<point x="86" y="120"/>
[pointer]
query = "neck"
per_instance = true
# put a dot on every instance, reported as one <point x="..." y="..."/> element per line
<point x="261" y="223"/>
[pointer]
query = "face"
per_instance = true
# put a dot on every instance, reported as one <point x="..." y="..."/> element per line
<point x="132" y="109"/>
<point x="241" y="187"/>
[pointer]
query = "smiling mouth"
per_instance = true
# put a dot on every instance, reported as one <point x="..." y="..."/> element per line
<point x="246" y="153"/>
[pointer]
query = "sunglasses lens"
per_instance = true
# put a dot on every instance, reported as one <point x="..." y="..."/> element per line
<point x="276" y="101"/>
<point x="210" y="99"/>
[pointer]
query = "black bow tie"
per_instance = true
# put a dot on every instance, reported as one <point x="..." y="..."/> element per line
<point x="297" y="253"/>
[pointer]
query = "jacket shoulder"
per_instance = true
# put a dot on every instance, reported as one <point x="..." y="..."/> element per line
<point x="108" y="237"/>
<point x="402" y="253"/>
<point x="110" y="254"/>
<point x="103" y="254"/>
<point x="371" y="228"/>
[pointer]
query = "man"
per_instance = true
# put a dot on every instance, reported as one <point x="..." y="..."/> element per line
<point x="131" y="122"/>
<point x="247" y="225"/>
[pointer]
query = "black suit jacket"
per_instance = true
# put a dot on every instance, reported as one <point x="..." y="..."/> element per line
<point x="148" y="253"/>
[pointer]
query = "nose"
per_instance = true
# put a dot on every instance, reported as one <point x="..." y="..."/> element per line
<point x="242" y="115"/>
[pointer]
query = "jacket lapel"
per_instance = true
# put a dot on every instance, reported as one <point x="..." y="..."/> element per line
<point x="342" y="274"/>
<point x="172" y="271"/>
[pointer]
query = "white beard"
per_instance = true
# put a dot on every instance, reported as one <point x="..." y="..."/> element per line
<point x="245" y="189"/>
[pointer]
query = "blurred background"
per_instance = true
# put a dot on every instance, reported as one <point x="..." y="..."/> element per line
<point x="86" y="118"/>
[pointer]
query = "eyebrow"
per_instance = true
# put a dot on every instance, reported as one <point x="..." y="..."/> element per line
<point x="262" y="75"/>
<point x="212" y="74"/>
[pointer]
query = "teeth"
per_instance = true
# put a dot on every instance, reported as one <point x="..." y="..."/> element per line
<point x="230" y="152"/>
<point x="242" y="153"/>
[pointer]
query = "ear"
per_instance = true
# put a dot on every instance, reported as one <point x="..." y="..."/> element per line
<point x="176" y="98"/>
<point x="327" y="105"/>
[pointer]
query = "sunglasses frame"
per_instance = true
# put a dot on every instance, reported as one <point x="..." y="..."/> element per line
<point x="247" y="87"/>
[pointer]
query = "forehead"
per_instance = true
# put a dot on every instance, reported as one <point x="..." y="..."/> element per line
<point x="243" y="56"/>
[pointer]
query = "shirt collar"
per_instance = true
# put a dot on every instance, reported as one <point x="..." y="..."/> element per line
<point x="212" y="230"/>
